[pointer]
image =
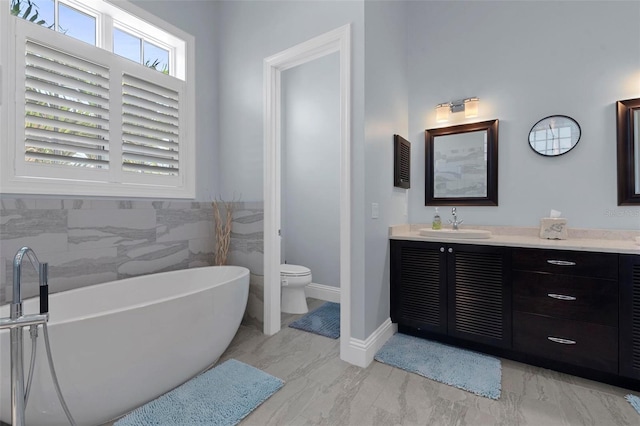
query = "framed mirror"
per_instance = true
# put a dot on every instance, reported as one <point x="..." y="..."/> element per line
<point x="462" y="165"/>
<point x="628" y="133"/>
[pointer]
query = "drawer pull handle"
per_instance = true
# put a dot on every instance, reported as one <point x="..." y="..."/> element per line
<point x="561" y="262"/>
<point x="563" y="341"/>
<point x="561" y="296"/>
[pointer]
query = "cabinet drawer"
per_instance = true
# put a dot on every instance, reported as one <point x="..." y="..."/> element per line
<point x="565" y="296"/>
<point x="582" y="263"/>
<point x="573" y="342"/>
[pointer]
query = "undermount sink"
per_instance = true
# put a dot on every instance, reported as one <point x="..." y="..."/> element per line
<point x="459" y="233"/>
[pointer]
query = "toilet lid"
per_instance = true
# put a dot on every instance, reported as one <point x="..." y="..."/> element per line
<point x="294" y="270"/>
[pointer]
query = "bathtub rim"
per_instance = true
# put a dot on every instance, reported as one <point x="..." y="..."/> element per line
<point x="243" y="271"/>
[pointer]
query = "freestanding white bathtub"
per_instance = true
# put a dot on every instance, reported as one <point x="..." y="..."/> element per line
<point x="118" y="345"/>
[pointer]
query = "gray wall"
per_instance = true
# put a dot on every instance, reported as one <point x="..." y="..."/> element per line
<point x="251" y="31"/>
<point x="198" y="18"/>
<point x="89" y="242"/>
<point x="310" y="218"/>
<point x="386" y="114"/>
<point x="525" y="61"/>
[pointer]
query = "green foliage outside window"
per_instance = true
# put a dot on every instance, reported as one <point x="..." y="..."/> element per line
<point x="154" y="65"/>
<point x="27" y="10"/>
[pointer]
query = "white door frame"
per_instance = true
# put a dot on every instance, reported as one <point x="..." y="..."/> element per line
<point x="338" y="40"/>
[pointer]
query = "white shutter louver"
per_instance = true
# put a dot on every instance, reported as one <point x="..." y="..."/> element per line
<point x="66" y="109"/>
<point x="150" y="127"/>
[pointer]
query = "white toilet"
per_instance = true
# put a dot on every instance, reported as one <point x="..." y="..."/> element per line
<point x="294" y="279"/>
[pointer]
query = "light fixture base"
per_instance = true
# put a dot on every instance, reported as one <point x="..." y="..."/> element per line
<point x="468" y="105"/>
<point x="457" y="106"/>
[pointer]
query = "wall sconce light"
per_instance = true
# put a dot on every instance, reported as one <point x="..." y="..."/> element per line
<point x="442" y="112"/>
<point x="469" y="106"/>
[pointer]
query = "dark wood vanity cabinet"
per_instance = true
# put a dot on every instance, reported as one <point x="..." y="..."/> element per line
<point x="456" y="290"/>
<point x="630" y="316"/>
<point x="565" y="306"/>
<point x="574" y="311"/>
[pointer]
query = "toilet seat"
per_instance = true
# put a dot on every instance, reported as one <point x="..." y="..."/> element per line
<point x="289" y="270"/>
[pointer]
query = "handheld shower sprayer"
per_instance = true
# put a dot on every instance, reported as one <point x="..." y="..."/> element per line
<point x="44" y="287"/>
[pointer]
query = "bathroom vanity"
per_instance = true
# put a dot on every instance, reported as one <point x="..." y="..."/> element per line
<point x="570" y="305"/>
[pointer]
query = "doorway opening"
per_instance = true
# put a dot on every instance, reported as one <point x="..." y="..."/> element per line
<point x="338" y="40"/>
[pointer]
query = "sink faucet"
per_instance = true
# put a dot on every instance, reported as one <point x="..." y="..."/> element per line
<point x="15" y="323"/>
<point x="455" y="222"/>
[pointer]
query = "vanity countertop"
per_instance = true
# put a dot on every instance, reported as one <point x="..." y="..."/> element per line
<point x="601" y="240"/>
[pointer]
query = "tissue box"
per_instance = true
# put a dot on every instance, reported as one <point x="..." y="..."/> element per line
<point x="553" y="228"/>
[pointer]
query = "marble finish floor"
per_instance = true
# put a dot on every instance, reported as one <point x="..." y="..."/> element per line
<point x="321" y="389"/>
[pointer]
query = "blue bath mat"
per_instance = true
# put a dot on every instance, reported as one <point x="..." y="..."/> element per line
<point x="324" y="321"/>
<point x="221" y="396"/>
<point x="474" y="372"/>
<point x="634" y="401"/>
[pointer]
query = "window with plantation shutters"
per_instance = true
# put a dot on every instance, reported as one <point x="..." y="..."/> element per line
<point x="66" y="109"/>
<point x="88" y="121"/>
<point x="150" y="127"/>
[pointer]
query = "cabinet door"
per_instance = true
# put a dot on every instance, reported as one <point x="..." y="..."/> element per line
<point x="629" y="325"/>
<point x="418" y="285"/>
<point x="479" y="294"/>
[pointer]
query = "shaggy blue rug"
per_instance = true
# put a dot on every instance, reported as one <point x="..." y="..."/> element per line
<point x="634" y="401"/>
<point x="221" y="396"/>
<point x="474" y="372"/>
<point x="324" y="321"/>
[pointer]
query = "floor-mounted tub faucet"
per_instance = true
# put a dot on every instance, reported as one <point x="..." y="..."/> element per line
<point x="17" y="321"/>
<point x="455" y="222"/>
<point x="43" y="277"/>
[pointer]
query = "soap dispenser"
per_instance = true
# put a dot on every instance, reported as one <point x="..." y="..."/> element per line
<point x="437" y="222"/>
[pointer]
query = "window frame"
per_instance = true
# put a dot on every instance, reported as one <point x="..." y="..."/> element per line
<point x="87" y="10"/>
<point x="12" y="111"/>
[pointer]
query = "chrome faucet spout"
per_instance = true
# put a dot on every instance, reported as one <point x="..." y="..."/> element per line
<point x="455" y="222"/>
<point x="17" y="275"/>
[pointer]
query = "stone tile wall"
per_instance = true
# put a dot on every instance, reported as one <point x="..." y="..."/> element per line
<point x="89" y="242"/>
<point x="247" y="249"/>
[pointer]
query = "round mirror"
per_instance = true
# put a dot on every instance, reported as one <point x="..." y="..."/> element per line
<point x="554" y="135"/>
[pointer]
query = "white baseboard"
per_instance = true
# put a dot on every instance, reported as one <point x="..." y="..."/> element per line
<point x="323" y="292"/>
<point x="361" y="352"/>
